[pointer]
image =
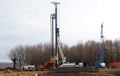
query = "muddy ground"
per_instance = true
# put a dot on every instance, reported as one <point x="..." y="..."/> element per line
<point x="102" y="72"/>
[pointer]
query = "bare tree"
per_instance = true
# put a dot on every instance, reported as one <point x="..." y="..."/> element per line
<point x="18" y="54"/>
<point x="85" y="52"/>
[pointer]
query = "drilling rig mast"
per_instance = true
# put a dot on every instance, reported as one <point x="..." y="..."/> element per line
<point x="100" y="62"/>
<point x="56" y="29"/>
<point x="102" y="50"/>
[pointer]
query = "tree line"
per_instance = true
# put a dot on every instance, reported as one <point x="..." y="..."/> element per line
<point x="82" y="52"/>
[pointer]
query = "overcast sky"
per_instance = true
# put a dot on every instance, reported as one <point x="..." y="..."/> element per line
<point x="28" y="22"/>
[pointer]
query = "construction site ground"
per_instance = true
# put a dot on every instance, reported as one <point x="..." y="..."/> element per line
<point x="101" y="72"/>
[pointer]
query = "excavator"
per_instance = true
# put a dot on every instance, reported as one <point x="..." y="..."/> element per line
<point x="51" y="63"/>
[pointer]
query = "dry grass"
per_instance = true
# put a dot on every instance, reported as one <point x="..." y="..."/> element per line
<point x="46" y="74"/>
<point x="22" y="73"/>
<point x="74" y="74"/>
<point x="102" y="72"/>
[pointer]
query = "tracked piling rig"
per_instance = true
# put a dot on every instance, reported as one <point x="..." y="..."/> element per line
<point x="58" y="66"/>
<point x="57" y="36"/>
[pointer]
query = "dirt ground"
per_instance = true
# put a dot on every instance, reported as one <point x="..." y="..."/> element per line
<point x="102" y="72"/>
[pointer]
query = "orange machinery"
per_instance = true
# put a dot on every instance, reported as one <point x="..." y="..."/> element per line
<point x="51" y="63"/>
<point x="115" y="64"/>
